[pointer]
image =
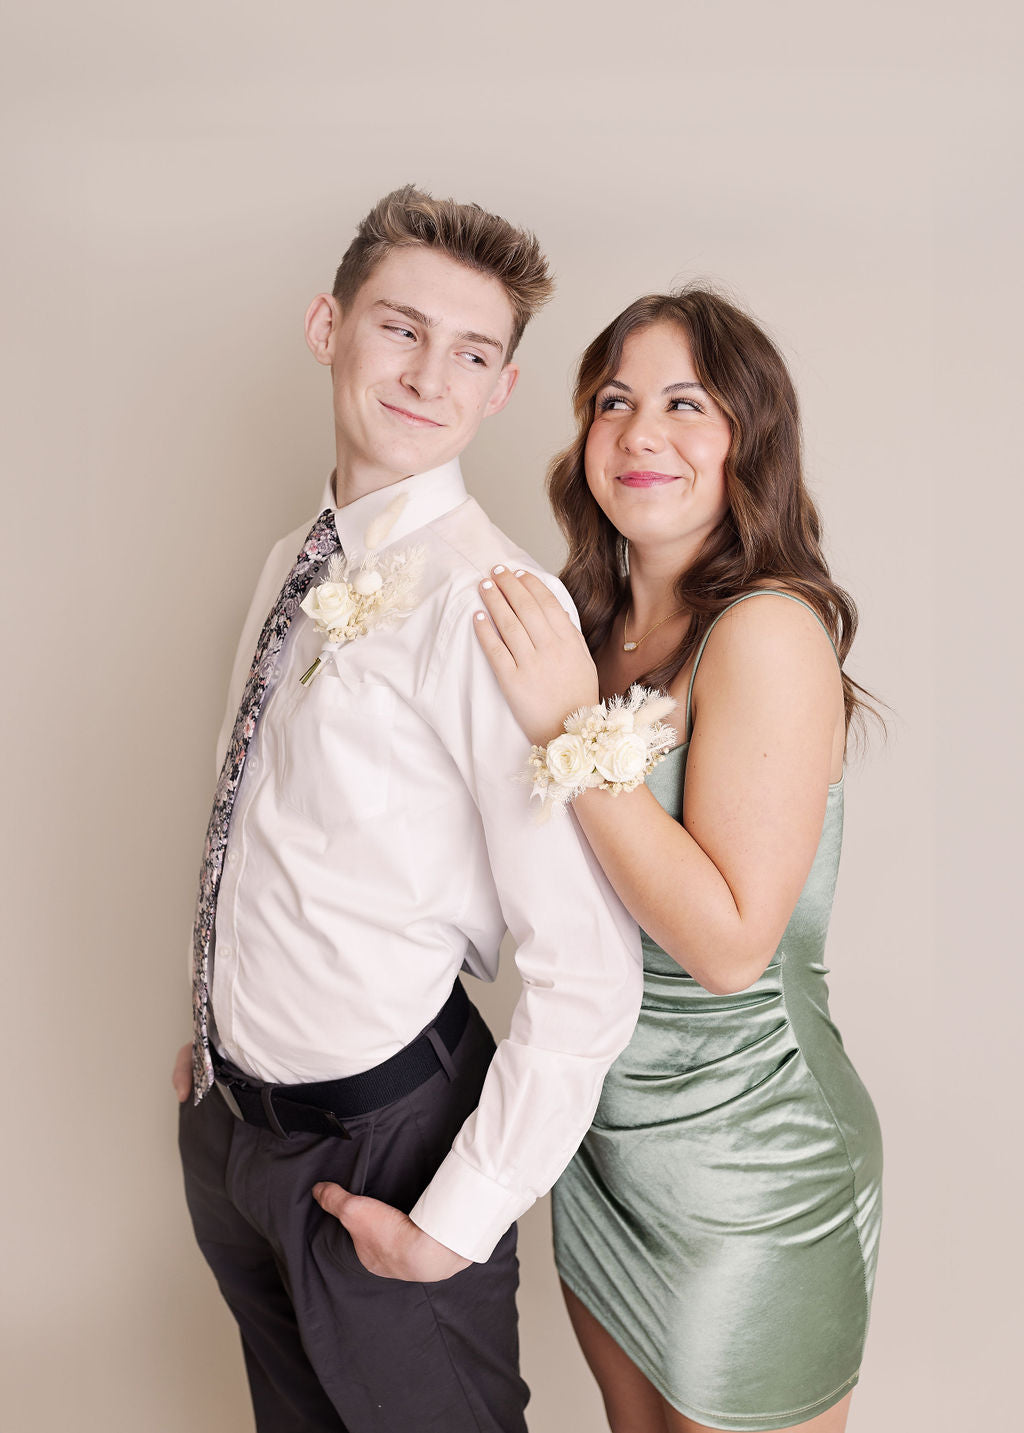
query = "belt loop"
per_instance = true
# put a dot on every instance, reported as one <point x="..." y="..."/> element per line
<point x="441" y="1051"/>
<point x="268" y="1109"/>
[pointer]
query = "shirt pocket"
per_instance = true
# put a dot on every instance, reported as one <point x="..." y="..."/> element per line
<point x="337" y="750"/>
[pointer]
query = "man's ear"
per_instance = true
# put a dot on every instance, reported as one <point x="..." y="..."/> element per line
<point x="503" y="392"/>
<point x="322" y="319"/>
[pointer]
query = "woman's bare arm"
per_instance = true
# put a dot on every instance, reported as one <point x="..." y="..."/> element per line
<point x="717" y="892"/>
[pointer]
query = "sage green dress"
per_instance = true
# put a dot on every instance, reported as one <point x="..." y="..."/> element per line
<point x="721" y="1217"/>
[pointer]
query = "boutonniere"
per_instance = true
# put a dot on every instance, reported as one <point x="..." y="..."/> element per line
<point x="355" y="599"/>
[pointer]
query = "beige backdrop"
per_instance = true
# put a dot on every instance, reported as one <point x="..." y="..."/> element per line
<point x="179" y="181"/>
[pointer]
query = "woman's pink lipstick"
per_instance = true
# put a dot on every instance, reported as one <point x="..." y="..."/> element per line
<point x="646" y="479"/>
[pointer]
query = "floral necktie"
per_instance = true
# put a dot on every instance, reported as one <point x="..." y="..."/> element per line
<point x="321" y="542"/>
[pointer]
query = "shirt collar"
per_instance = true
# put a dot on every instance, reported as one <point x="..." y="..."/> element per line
<point x="426" y="496"/>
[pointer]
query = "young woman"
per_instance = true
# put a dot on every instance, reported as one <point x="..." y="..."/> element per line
<point x="716" y="1232"/>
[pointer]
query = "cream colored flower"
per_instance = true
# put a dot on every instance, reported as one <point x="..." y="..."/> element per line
<point x="619" y="719"/>
<point x="330" y="605"/>
<point x="367" y="583"/>
<point x="566" y="759"/>
<point x="621" y="757"/>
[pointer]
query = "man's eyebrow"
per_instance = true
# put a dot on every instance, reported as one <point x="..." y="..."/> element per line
<point x="418" y="316"/>
<point x="672" y="387"/>
<point x="415" y="314"/>
<point x="482" y="338"/>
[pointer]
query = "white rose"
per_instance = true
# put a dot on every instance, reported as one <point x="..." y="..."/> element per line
<point x="330" y="604"/>
<point x="622" y="757"/>
<point x="566" y="759"/>
<point x="367" y="583"/>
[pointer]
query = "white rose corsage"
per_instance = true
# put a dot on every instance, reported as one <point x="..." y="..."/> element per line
<point x="354" y="599"/>
<point x="611" y="746"/>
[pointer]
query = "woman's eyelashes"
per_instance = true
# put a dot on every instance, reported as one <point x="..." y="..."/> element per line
<point x="614" y="402"/>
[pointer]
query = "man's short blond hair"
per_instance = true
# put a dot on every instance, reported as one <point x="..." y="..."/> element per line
<point x="409" y="217"/>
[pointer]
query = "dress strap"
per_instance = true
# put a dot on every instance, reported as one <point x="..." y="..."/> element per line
<point x="760" y="592"/>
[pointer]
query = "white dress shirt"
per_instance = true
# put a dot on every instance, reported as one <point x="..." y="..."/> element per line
<point x="380" y="843"/>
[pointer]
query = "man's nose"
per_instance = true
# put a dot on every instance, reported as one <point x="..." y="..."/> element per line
<point x="424" y="374"/>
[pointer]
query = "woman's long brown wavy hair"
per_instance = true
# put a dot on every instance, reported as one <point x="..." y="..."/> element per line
<point x="771" y="534"/>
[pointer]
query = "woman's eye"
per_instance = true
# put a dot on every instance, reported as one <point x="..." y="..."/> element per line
<point x="684" y="403"/>
<point x="611" y="404"/>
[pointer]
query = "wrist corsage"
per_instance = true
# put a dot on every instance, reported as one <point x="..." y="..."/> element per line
<point x="611" y="747"/>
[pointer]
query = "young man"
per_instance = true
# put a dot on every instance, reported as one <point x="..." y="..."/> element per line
<point x="355" y="1189"/>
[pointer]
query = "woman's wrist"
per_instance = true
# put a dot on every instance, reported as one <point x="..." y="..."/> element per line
<point x="610" y="746"/>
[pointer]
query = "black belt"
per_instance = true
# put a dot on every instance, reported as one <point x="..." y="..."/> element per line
<point x="323" y="1107"/>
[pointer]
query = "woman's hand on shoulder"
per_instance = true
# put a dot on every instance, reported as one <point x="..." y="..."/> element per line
<point x="537" y="654"/>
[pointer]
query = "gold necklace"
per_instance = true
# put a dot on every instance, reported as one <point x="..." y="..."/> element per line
<point x="627" y="645"/>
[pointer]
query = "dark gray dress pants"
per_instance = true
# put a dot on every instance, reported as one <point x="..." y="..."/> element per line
<point x="328" y="1345"/>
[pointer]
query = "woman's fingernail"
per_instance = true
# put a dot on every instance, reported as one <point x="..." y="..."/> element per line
<point x="487" y="584"/>
<point x="479" y="616"/>
<point x="521" y="572"/>
<point x="497" y="569"/>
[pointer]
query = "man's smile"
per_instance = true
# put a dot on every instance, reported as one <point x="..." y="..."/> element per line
<point x="417" y="420"/>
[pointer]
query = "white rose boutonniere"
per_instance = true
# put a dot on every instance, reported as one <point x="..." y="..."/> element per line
<point x="330" y="605"/>
<point x="353" y="600"/>
<point x="611" y="746"/>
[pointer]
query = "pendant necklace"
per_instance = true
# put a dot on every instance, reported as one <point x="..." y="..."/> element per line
<point x="627" y="645"/>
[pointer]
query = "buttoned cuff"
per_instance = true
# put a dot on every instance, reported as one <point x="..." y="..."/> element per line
<point x="466" y="1211"/>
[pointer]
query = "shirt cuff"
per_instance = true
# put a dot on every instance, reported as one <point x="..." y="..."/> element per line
<point x="466" y="1211"/>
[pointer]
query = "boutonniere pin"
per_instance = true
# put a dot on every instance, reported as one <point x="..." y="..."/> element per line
<point x="354" y="600"/>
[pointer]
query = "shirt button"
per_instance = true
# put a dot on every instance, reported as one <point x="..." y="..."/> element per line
<point x="232" y="857"/>
<point x="254" y="765"/>
<point x="224" y="950"/>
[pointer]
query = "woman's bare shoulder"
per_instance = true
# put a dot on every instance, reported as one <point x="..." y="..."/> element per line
<point x="768" y="639"/>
